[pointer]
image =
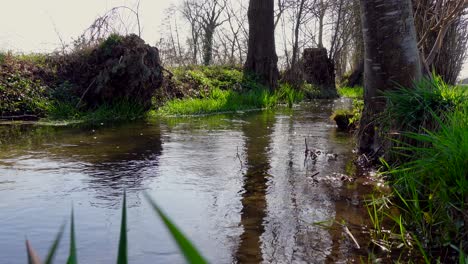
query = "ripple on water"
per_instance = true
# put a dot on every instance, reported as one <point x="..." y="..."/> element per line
<point x="236" y="184"/>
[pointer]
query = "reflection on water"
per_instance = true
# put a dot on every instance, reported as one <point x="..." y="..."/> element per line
<point x="114" y="157"/>
<point x="236" y="184"/>
<point x="257" y="131"/>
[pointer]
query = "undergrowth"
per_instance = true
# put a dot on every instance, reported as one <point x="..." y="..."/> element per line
<point x="428" y="172"/>
<point x="24" y="85"/>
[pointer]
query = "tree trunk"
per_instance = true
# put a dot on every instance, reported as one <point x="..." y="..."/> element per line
<point x="295" y="52"/>
<point x="261" y="55"/>
<point x="195" y="35"/>
<point x="208" y="45"/>
<point x="391" y="59"/>
<point x="321" y="18"/>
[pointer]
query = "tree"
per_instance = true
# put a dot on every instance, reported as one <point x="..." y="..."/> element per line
<point x="441" y="26"/>
<point x="261" y="54"/>
<point x="191" y="11"/>
<point x="391" y="59"/>
<point x="300" y="10"/>
<point x="210" y="20"/>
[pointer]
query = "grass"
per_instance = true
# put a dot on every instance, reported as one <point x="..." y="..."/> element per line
<point x="416" y="108"/>
<point x="217" y="100"/>
<point x="191" y="254"/>
<point x="356" y="92"/>
<point x="420" y="109"/>
<point x="432" y="188"/>
<point x="429" y="175"/>
<point x="118" y="111"/>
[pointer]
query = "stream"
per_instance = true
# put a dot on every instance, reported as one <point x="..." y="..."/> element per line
<point x="238" y="185"/>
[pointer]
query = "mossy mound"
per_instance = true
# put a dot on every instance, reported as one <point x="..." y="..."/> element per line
<point x="343" y="121"/>
<point x="119" y="68"/>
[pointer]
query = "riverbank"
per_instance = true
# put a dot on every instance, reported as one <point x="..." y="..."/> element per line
<point x="31" y="88"/>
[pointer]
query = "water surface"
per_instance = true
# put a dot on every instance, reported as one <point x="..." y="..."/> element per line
<point x="236" y="184"/>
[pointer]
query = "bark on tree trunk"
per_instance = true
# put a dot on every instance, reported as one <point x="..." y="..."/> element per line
<point x="261" y="55"/>
<point x="391" y="59"/>
<point x="208" y="45"/>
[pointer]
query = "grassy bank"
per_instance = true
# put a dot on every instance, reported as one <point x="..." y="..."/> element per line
<point x="210" y="89"/>
<point x="218" y="100"/>
<point x="30" y="87"/>
<point x="427" y="172"/>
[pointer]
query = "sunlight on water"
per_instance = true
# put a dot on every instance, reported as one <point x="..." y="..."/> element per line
<point x="237" y="185"/>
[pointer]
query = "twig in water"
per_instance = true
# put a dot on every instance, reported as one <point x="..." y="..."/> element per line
<point x="238" y="156"/>
<point x="315" y="174"/>
<point x="351" y="235"/>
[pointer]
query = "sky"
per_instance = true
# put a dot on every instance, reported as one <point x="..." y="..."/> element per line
<point x="32" y="25"/>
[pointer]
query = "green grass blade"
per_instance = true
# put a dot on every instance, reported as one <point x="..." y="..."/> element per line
<point x="421" y="250"/>
<point x="122" y="257"/>
<point x="33" y="258"/>
<point x="72" y="259"/>
<point x="190" y="252"/>
<point x="53" y="248"/>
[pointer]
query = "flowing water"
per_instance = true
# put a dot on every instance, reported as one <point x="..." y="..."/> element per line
<point x="238" y="185"/>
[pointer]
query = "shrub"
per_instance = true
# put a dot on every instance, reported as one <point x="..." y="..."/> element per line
<point x="24" y="85"/>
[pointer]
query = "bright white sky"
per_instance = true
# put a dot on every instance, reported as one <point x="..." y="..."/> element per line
<point x="28" y="25"/>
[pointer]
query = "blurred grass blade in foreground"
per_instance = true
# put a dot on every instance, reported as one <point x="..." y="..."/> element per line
<point x="33" y="258"/>
<point x="122" y="257"/>
<point x="53" y="248"/>
<point x="190" y="252"/>
<point x="72" y="259"/>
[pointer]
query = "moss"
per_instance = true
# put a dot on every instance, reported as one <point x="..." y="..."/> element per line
<point x="348" y="119"/>
<point x="343" y="119"/>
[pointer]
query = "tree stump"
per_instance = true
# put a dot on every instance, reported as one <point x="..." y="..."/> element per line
<point x="356" y="78"/>
<point x="319" y="71"/>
